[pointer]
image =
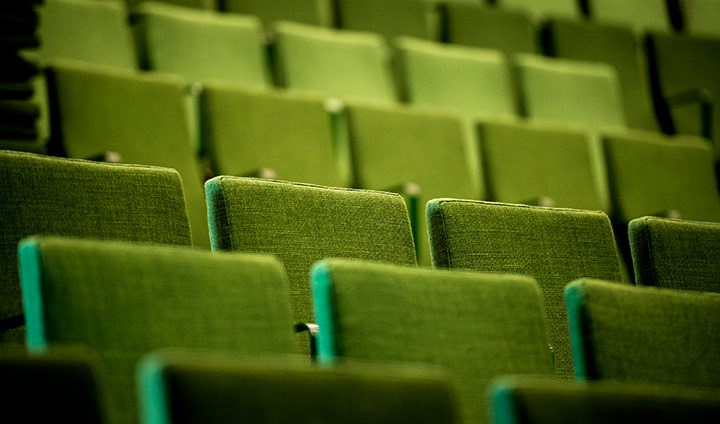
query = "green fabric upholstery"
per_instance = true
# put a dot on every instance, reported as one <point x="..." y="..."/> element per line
<point x="47" y="195"/>
<point x="201" y="45"/>
<point x="541" y="9"/>
<point x="143" y="117"/>
<point x="641" y="15"/>
<point x="197" y="4"/>
<point x="524" y="162"/>
<point x="125" y="300"/>
<point x="478" y="326"/>
<point x="676" y="254"/>
<point x="91" y="31"/>
<point x="394" y="145"/>
<point x="311" y="12"/>
<point x="555" y="246"/>
<point x="58" y="385"/>
<point x="702" y="17"/>
<point x="644" y="334"/>
<point x="182" y="387"/>
<point x="615" y="45"/>
<point x="335" y="63"/>
<point x="532" y="400"/>
<point x="304" y="223"/>
<point x="471" y="80"/>
<point x="411" y="18"/>
<point x="293" y="134"/>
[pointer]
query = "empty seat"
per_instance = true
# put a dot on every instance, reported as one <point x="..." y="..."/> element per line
<point x="414" y="18"/>
<point x="196" y="4"/>
<point x="311" y="12"/>
<point x="541" y="9"/>
<point x="640" y="15"/>
<point x="478" y="326"/>
<point x="555" y="246"/>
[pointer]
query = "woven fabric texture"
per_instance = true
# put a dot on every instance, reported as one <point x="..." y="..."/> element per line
<point x="555" y="246"/>
<point x="644" y="334"/>
<point x="47" y="195"/>
<point x="676" y="254"/>
<point x="479" y="326"/>
<point x="125" y="300"/>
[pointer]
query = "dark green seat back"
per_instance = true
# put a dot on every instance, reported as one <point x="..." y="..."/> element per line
<point x="311" y="12"/>
<point x="639" y="15"/>
<point x="543" y="9"/>
<point x="411" y="18"/>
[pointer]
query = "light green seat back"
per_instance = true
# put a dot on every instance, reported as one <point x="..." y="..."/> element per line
<point x="200" y="45"/>
<point x="143" y="117"/>
<point x="644" y="334"/>
<point x="555" y="246"/>
<point x="393" y="146"/>
<point x="47" y="195"/>
<point x="196" y="4"/>
<point x="311" y="12"/>
<point x="125" y="300"/>
<point x="540" y="164"/>
<point x="702" y="17"/>
<point x="245" y="131"/>
<point x="471" y="80"/>
<point x="334" y="63"/>
<point x="413" y="18"/>
<point x="641" y="15"/>
<point x="182" y="387"/>
<point x="303" y="223"/>
<point x="676" y="254"/>
<point x="478" y="326"/>
<point x="541" y="9"/>
<point x="91" y="31"/>
<point x="532" y="400"/>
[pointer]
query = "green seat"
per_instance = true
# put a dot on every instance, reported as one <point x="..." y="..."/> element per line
<point x="422" y="153"/>
<point x="303" y="223"/>
<point x="334" y="63"/>
<point x="182" y="387"/>
<point x="676" y="254"/>
<point x="291" y="136"/>
<point x="311" y="12"/>
<point x="196" y="4"/>
<point x="640" y="15"/>
<point x="644" y="334"/>
<point x="542" y="9"/>
<point x="478" y="326"/>
<point x="46" y="195"/>
<point x="125" y="300"/>
<point x="702" y="18"/>
<point x="555" y="246"/>
<point x="413" y="18"/>
<point x="531" y="400"/>
<point x="141" y="117"/>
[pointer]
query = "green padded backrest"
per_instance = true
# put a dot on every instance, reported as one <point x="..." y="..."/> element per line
<point x="292" y="134"/>
<point x="471" y="80"/>
<point x="479" y="326"/>
<point x="524" y="162"/>
<point x="196" y="4"/>
<point x="555" y="246"/>
<point x="92" y="31"/>
<point x="312" y="12"/>
<point x="640" y="15"/>
<point x="702" y="17"/>
<point x="532" y="400"/>
<point x="644" y="334"/>
<point x="179" y="387"/>
<point x="617" y="46"/>
<point x="540" y="9"/>
<point x="676" y="254"/>
<point x="414" y="18"/>
<point x="335" y="63"/>
<point x="143" y="117"/>
<point x="124" y="300"/>
<point x="651" y="175"/>
<point x="47" y="195"/>
<point x="303" y="223"/>
<point x="394" y="145"/>
<point x="201" y="45"/>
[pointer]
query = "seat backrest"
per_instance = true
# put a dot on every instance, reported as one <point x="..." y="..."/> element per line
<point x="124" y="300"/>
<point x="478" y="326"/>
<point x="143" y="117"/>
<point x="335" y="63"/>
<point x="644" y="334"/>
<point x="296" y="136"/>
<point x="46" y="195"/>
<point x="195" y="4"/>
<point x="640" y="15"/>
<point x="411" y="18"/>
<point x="189" y="387"/>
<point x="91" y="31"/>
<point x="676" y="254"/>
<point x="311" y="12"/>
<point x="702" y="17"/>
<point x="553" y="245"/>
<point x="303" y="223"/>
<point x="541" y="9"/>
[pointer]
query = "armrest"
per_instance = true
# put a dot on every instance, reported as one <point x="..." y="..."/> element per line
<point x="313" y="330"/>
<point x="411" y="194"/>
<point x="702" y="97"/>
<point x="267" y="173"/>
<point x="109" y="156"/>
<point x="543" y="201"/>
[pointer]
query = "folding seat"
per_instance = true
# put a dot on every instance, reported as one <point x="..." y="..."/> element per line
<point x="701" y="17"/>
<point x="45" y="195"/>
<point x="334" y="63"/>
<point x="477" y="326"/>
<point x="143" y="118"/>
<point x="190" y="387"/>
<point x="644" y="334"/>
<point x="291" y="136"/>
<point x="641" y="15"/>
<point x="125" y="300"/>
<point x="413" y="18"/>
<point x="421" y="153"/>
<point x="521" y="399"/>
<point x="553" y="245"/>
<point x="303" y="223"/>
<point x="311" y="12"/>
<point x="541" y="9"/>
